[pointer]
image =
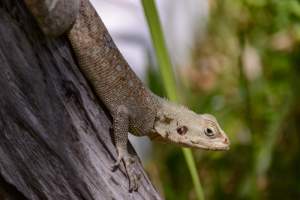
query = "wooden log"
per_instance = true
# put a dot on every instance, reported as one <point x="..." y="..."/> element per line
<point x="54" y="133"/>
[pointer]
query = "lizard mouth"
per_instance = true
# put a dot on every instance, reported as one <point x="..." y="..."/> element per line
<point x="214" y="146"/>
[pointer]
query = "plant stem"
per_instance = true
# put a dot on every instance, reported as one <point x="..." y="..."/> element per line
<point x="188" y="155"/>
<point x="161" y="52"/>
<point x="168" y="78"/>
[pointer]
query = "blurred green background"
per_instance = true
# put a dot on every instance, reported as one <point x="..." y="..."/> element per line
<point x="246" y="72"/>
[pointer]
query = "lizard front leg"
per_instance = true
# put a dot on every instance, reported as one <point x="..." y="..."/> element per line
<point x="120" y="130"/>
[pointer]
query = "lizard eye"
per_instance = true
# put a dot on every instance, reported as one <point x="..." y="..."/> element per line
<point x="209" y="132"/>
<point x="182" y="130"/>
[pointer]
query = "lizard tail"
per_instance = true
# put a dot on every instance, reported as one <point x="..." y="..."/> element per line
<point x="54" y="17"/>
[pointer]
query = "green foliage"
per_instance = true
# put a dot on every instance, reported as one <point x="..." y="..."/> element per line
<point x="247" y="74"/>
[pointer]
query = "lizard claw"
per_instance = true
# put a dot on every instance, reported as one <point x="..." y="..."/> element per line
<point x="131" y="171"/>
<point x="116" y="164"/>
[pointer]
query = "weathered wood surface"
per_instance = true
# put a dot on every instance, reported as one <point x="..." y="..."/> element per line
<point x="54" y="135"/>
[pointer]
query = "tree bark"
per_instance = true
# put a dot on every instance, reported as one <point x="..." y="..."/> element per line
<point x="54" y="133"/>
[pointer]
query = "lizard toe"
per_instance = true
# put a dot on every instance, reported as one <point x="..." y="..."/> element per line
<point x="133" y="181"/>
<point x="132" y="173"/>
<point x="117" y="163"/>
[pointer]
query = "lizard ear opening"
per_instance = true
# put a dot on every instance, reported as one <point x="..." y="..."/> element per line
<point x="182" y="130"/>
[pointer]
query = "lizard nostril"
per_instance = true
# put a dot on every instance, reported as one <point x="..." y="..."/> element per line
<point x="226" y="141"/>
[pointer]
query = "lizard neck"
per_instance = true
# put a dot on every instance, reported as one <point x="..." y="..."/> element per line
<point x="166" y="117"/>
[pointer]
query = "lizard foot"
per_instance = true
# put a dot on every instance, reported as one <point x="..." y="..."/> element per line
<point x="131" y="171"/>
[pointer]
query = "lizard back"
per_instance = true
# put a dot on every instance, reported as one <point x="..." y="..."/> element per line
<point x="108" y="72"/>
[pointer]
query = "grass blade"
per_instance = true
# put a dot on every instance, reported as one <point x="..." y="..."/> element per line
<point x="168" y="78"/>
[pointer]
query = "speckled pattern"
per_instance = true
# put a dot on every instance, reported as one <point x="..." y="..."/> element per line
<point x="131" y="105"/>
<point x="108" y="72"/>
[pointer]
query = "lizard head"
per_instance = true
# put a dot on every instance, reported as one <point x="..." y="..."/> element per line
<point x="177" y="124"/>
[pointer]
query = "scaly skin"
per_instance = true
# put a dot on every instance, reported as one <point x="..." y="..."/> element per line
<point x="133" y="107"/>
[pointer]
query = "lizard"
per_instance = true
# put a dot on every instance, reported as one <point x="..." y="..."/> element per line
<point x="134" y="108"/>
